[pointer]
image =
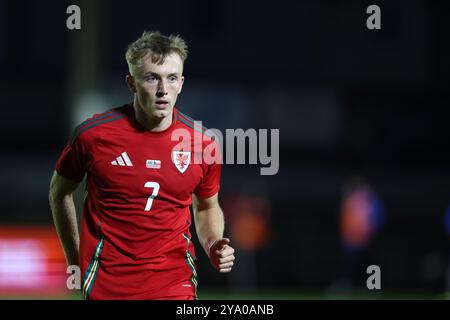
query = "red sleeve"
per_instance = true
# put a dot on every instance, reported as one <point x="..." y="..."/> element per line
<point x="210" y="184"/>
<point x="72" y="163"/>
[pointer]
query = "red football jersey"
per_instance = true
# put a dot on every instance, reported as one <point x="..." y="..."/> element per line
<point x="134" y="240"/>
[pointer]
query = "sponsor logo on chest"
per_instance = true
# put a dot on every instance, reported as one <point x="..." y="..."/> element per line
<point x="153" y="164"/>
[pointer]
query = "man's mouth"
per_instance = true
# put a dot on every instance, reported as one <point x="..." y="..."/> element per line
<point x="162" y="104"/>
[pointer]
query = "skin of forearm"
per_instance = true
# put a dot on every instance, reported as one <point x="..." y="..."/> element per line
<point x="209" y="226"/>
<point x="65" y="220"/>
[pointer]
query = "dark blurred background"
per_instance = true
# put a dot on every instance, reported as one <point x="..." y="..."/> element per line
<point x="351" y="104"/>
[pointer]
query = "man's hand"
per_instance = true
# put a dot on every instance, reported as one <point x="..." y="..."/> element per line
<point x="221" y="255"/>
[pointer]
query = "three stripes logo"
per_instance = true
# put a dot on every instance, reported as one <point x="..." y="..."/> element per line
<point x="122" y="160"/>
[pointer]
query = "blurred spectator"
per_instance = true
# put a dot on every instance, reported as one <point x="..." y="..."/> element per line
<point x="361" y="217"/>
<point x="248" y="213"/>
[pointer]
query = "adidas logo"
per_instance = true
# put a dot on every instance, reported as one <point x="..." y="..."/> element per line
<point x="122" y="160"/>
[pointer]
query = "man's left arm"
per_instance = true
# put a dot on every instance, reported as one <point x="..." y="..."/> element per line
<point x="210" y="224"/>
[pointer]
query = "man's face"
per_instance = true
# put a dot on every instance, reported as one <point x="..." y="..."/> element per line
<point x="157" y="86"/>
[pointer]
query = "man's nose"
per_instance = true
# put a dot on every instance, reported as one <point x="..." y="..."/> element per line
<point x="161" y="92"/>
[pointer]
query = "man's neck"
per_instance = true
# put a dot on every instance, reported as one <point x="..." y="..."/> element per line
<point x="152" y="123"/>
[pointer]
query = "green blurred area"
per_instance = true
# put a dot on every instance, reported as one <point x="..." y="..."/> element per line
<point x="271" y="295"/>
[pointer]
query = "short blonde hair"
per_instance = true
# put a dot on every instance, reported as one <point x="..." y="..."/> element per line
<point x="157" y="45"/>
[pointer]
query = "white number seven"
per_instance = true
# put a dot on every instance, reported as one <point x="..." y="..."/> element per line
<point x="155" y="186"/>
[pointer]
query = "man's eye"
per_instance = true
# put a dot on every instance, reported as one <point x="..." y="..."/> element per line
<point x="173" y="79"/>
<point x="150" y="79"/>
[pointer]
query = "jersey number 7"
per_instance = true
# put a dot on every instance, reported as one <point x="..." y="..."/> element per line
<point x="155" y="186"/>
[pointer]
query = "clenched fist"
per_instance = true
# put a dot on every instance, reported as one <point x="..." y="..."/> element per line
<point x="221" y="255"/>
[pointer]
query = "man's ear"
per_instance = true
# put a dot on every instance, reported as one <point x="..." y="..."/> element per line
<point x="181" y="86"/>
<point x="130" y="82"/>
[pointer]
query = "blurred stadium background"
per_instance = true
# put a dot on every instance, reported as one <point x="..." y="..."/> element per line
<point x="364" y="166"/>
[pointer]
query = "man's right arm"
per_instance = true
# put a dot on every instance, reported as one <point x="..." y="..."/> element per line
<point x="64" y="215"/>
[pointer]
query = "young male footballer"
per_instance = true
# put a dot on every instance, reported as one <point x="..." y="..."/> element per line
<point x="134" y="241"/>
